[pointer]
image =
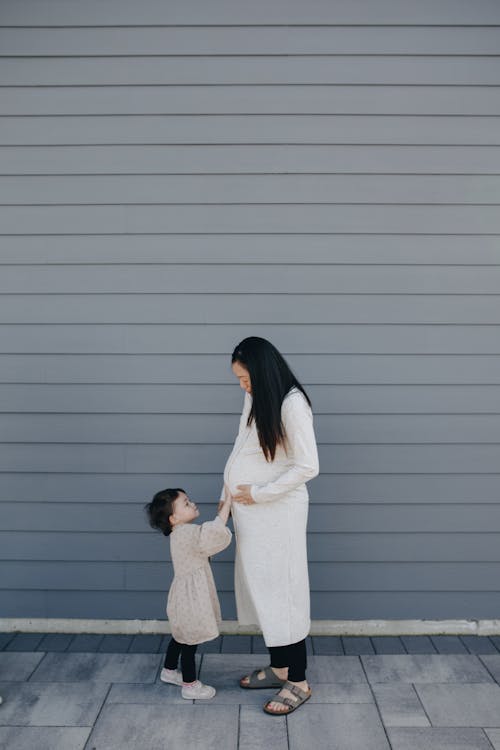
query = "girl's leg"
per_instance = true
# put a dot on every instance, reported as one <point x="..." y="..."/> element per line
<point x="172" y="655"/>
<point x="188" y="665"/>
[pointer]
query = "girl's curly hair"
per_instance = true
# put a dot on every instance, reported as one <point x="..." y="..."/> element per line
<point x="161" y="508"/>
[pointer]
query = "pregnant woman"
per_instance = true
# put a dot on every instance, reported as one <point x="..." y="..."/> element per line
<point x="273" y="456"/>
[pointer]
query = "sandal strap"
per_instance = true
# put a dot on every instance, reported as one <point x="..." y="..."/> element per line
<point x="295" y="690"/>
<point x="283" y="700"/>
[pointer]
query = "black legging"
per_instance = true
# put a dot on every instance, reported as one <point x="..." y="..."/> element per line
<point x="187" y="659"/>
<point x="293" y="656"/>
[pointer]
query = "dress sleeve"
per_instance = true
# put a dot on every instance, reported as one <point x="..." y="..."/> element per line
<point x="214" y="536"/>
<point x="301" y="442"/>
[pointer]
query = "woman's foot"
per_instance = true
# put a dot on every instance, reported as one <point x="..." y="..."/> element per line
<point x="280" y="672"/>
<point x="277" y="707"/>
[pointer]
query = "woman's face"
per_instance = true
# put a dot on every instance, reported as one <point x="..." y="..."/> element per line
<point x="243" y="376"/>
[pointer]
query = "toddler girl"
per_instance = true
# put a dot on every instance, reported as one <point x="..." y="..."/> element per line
<point x="192" y="607"/>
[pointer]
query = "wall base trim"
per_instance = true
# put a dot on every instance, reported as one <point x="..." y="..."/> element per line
<point x="231" y="627"/>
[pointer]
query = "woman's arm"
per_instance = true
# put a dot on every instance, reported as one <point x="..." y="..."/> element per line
<point x="301" y="441"/>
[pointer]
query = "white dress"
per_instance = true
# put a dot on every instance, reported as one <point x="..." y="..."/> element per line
<point x="271" y="575"/>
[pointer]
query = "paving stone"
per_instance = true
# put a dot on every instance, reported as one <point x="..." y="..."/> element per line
<point x="55" y="642"/>
<point x="43" y="738"/>
<point x="256" y="732"/>
<point x="495" y="639"/>
<point x="327" y="644"/>
<point x="51" y="704"/>
<point x="357" y="645"/>
<point x="115" y="644"/>
<point x="341" y="727"/>
<point x="494" y="737"/>
<point x="461" y="705"/>
<point x="413" y="738"/>
<point x="259" y="645"/>
<point x="339" y="692"/>
<point x="5" y="639"/>
<point x="228" y="669"/>
<point x="426" y="668"/>
<point x="25" y="642"/>
<point x="399" y="706"/>
<point x="477" y="644"/>
<point x="85" y="643"/>
<point x="332" y="669"/>
<point x="492" y="662"/>
<point x="385" y="644"/>
<point x="159" y="693"/>
<point x="129" y="727"/>
<point x="448" y="644"/>
<point x="209" y="647"/>
<point x="17" y="667"/>
<point x="236" y="696"/>
<point x="97" y="668"/>
<point x="236" y="644"/>
<point x="418" y="644"/>
<point x="145" y="644"/>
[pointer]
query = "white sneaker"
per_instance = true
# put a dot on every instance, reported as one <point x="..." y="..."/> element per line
<point x="173" y="676"/>
<point x="198" y="691"/>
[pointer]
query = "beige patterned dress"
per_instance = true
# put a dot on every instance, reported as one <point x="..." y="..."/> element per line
<point x="193" y="607"/>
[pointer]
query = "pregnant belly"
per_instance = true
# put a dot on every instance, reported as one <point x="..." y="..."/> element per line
<point x="251" y="469"/>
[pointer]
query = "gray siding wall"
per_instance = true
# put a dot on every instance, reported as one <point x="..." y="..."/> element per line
<point x="176" y="176"/>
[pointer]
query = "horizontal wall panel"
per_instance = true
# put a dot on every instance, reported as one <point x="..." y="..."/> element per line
<point x="254" y="308"/>
<point x="346" y="605"/>
<point x="326" y="339"/>
<point x="338" y="518"/>
<point x="214" y="369"/>
<point x="62" y="575"/>
<point x="247" y="70"/>
<point x="222" y="428"/>
<point x="255" y="40"/>
<point x="334" y="577"/>
<point x="32" y="130"/>
<point x="250" y="189"/>
<point x="240" y="278"/>
<point x="149" y="546"/>
<point x="425" y="489"/>
<point x="249" y="159"/>
<point x="226" y="399"/>
<point x="260" y="12"/>
<point x="376" y="459"/>
<point x="356" y="249"/>
<point x="271" y="100"/>
<point x="247" y="219"/>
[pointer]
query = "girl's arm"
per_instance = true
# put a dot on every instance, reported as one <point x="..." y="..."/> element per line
<point x="224" y="508"/>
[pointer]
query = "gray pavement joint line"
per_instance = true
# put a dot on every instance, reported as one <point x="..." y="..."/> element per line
<point x="421" y="704"/>
<point x="375" y="702"/>
<point x="487" y="738"/>
<point x="497" y="682"/>
<point x="239" y="728"/>
<point x="34" y="670"/>
<point x="87" y="747"/>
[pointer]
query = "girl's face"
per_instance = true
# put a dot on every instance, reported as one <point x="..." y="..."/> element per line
<point x="243" y="376"/>
<point x="185" y="510"/>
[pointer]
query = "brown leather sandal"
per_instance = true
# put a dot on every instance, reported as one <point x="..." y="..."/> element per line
<point x="292" y="705"/>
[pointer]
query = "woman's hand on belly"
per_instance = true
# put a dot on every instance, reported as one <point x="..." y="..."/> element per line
<point x="243" y="495"/>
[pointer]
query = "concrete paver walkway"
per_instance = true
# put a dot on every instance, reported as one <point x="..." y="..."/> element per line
<point x="394" y="694"/>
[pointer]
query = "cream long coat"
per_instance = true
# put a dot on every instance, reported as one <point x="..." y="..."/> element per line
<point x="271" y="575"/>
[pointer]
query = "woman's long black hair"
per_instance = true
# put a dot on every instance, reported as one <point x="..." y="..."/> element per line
<point x="271" y="379"/>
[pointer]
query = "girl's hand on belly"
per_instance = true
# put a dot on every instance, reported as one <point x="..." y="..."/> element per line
<point x="243" y="495"/>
